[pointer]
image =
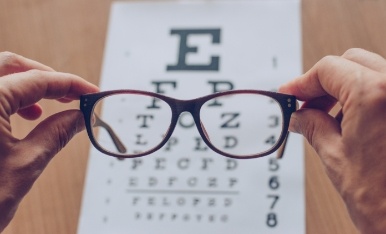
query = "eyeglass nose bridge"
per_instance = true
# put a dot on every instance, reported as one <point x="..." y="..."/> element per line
<point x="182" y="106"/>
<point x="193" y="107"/>
<point x="187" y="106"/>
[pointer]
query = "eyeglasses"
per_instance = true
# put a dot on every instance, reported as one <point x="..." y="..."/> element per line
<point x="238" y="124"/>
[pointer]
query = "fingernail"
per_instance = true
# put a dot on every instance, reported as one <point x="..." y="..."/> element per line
<point x="79" y="124"/>
<point x="294" y="123"/>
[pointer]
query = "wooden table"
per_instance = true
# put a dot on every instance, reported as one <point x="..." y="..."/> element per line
<point x="70" y="35"/>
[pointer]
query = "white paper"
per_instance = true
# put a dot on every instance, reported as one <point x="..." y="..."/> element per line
<point x="182" y="190"/>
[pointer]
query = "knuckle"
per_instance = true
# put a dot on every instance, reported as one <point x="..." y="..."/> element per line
<point x="63" y="138"/>
<point x="30" y="163"/>
<point x="352" y="53"/>
<point x="63" y="135"/>
<point x="376" y="97"/>
<point x="328" y="60"/>
<point x="310" y="131"/>
<point x="9" y="60"/>
<point x="8" y="55"/>
<point x="35" y="72"/>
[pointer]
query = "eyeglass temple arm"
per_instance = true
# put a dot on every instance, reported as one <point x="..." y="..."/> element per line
<point x="117" y="142"/>
<point x="280" y="151"/>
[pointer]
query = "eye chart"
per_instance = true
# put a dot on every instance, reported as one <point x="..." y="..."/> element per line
<point x="187" y="50"/>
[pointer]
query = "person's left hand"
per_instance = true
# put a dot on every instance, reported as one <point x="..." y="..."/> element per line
<point x="23" y="83"/>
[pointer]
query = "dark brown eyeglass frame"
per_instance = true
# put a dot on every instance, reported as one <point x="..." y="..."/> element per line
<point x="288" y="105"/>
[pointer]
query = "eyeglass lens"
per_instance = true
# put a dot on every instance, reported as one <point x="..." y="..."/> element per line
<point x="238" y="124"/>
<point x="140" y="122"/>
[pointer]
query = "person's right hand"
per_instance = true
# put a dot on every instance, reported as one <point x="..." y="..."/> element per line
<point x="352" y="145"/>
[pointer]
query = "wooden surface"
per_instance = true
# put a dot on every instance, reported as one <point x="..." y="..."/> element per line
<point x="69" y="35"/>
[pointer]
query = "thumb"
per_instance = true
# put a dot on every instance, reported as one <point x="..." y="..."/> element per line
<point x="320" y="129"/>
<point x="52" y="134"/>
<point x="32" y="154"/>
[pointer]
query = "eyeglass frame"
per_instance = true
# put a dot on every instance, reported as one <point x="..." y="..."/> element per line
<point x="288" y="105"/>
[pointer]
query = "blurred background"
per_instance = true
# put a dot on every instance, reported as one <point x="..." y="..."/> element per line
<point x="69" y="36"/>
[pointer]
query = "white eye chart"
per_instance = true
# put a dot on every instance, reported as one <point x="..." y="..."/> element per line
<point x="187" y="50"/>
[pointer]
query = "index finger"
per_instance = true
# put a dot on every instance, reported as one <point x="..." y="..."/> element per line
<point x="14" y="63"/>
<point x="333" y="75"/>
<point x="26" y="88"/>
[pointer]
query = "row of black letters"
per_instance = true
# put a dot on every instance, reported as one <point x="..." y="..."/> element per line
<point x="191" y="201"/>
<point x="190" y="182"/>
<point x="184" y="163"/>
<point x="209" y="218"/>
